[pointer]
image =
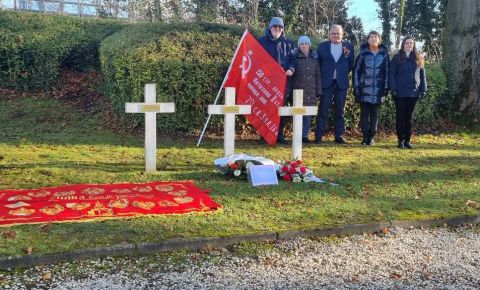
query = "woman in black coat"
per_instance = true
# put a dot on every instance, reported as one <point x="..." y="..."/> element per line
<point x="370" y="81"/>
<point x="307" y="77"/>
<point x="408" y="84"/>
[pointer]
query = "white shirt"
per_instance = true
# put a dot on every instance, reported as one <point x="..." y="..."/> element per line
<point x="336" y="51"/>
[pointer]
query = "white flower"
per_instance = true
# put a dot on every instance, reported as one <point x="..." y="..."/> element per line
<point x="307" y="179"/>
<point x="237" y="172"/>
<point x="297" y="179"/>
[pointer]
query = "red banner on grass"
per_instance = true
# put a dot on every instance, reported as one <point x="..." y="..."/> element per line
<point x="100" y="201"/>
<point x="260" y="82"/>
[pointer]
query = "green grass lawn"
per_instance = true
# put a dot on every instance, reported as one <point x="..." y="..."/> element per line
<point x="44" y="142"/>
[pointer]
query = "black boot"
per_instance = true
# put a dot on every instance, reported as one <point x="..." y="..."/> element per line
<point x="364" y="140"/>
<point x="306" y="140"/>
<point x="370" y="140"/>
<point x="401" y="144"/>
<point x="282" y="140"/>
<point x="407" y="144"/>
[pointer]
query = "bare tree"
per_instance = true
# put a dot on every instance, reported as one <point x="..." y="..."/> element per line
<point x="400" y="14"/>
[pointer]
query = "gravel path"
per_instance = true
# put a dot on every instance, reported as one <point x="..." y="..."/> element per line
<point x="441" y="258"/>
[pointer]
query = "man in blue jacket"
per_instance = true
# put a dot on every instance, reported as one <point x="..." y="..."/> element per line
<point x="280" y="49"/>
<point x="336" y="59"/>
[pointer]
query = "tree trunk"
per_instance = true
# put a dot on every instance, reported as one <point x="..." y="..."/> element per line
<point x="401" y="12"/>
<point x="462" y="56"/>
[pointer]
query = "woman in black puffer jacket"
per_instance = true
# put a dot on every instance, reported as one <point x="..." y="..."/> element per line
<point x="370" y="82"/>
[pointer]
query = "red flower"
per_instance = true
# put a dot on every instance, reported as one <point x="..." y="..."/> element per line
<point x="299" y="161"/>
<point x="293" y="170"/>
<point x="303" y="169"/>
<point x="287" y="177"/>
<point x="233" y="166"/>
<point x="294" y="164"/>
<point x="285" y="169"/>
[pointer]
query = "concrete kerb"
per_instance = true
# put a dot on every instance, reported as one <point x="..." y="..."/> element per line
<point x="209" y="242"/>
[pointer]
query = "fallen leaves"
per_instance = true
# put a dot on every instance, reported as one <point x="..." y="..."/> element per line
<point x="395" y="276"/>
<point x="47" y="276"/>
<point x="45" y="227"/>
<point x="9" y="235"/>
<point x="472" y="203"/>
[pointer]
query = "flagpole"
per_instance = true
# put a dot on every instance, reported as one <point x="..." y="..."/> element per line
<point x="221" y="87"/>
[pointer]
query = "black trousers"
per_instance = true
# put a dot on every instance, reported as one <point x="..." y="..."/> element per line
<point x="404" y="108"/>
<point x="369" y="119"/>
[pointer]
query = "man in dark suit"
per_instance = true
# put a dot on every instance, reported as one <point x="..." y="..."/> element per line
<point x="336" y="59"/>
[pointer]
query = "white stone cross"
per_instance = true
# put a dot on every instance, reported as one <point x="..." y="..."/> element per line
<point x="150" y="108"/>
<point x="229" y="110"/>
<point x="297" y="111"/>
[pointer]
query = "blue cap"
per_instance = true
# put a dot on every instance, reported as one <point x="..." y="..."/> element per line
<point x="275" y="21"/>
<point x="304" y="40"/>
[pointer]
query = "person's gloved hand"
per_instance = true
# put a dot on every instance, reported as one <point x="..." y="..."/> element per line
<point x="289" y="73"/>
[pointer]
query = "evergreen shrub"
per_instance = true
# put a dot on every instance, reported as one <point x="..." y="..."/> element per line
<point x="34" y="46"/>
<point x="187" y="62"/>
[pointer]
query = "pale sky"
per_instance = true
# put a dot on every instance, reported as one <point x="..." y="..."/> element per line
<point x="367" y="11"/>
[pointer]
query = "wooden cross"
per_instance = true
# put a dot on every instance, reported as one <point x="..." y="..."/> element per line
<point x="297" y="111"/>
<point x="150" y="108"/>
<point x="229" y="110"/>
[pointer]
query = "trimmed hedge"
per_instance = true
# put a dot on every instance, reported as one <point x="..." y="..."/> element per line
<point x="33" y="46"/>
<point x="186" y="61"/>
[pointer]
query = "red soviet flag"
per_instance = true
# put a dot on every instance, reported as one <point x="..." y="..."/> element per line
<point x="260" y="82"/>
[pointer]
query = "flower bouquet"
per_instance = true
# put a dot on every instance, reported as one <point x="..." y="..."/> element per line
<point x="237" y="164"/>
<point x="295" y="171"/>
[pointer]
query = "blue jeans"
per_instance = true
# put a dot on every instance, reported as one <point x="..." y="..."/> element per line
<point x="338" y="96"/>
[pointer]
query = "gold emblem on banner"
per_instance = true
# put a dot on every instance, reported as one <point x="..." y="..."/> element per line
<point x="18" y="204"/>
<point x="164" y="188"/>
<point x="178" y="193"/>
<point x="52" y="209"/>
<point x="100" y="210"/>
<point x="93" y="190"/>
<point x="119" y="203"/>
<point x="166" y="203"/>
<point x="182" y="200"/>
<point x="22" y="211"/>
<point x="147" y="205"/>
<point x="78" y="206"/>
<point x="41" y="193"/>
<point x="143" y="188"/>
<point x="64" y="193"/>
<point x="19" y="197"/>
